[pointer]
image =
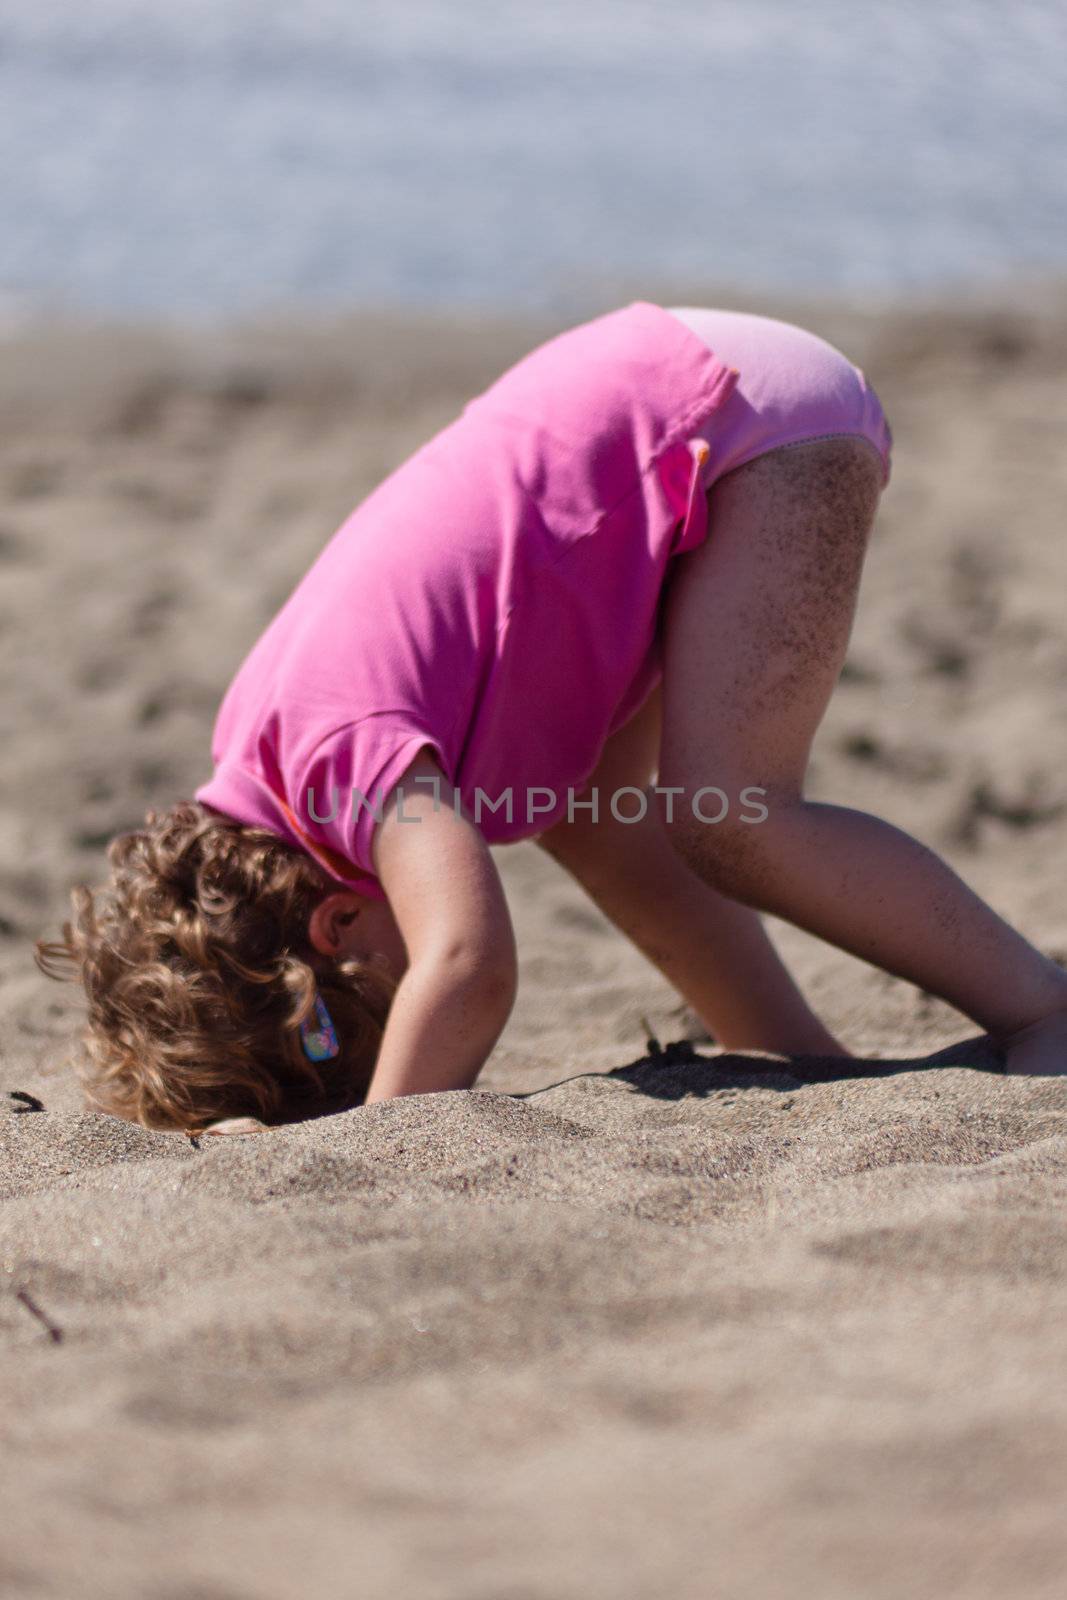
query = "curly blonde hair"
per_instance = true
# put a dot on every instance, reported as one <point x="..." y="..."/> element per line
<point x="198" y="971"/>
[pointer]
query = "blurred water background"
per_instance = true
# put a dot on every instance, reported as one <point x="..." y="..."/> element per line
<point x="214" y="157"/>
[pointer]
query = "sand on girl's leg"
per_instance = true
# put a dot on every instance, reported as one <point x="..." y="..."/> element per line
<point x="756" y="625"/>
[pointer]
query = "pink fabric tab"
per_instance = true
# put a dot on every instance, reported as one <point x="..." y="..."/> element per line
<point x="681" y="470"/>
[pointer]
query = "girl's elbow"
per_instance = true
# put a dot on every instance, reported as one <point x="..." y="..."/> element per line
<point x="489" y="976"/>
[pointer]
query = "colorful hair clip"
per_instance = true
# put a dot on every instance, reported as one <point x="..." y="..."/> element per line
<point x="318" y="1036"/>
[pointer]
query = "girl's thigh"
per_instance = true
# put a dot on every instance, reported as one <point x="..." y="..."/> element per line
<point x="756" y="621"/>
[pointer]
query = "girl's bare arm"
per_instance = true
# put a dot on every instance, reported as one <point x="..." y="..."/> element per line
<point x="445" y="893"/>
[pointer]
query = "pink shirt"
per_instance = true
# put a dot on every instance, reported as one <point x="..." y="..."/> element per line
<point x="495" y="599"/>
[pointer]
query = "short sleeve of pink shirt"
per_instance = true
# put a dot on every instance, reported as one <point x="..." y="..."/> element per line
<point x="350" y="775"/>
<point x="495" y="599"/>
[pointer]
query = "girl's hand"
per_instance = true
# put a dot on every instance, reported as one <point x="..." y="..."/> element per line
<point x="445" y="893"/>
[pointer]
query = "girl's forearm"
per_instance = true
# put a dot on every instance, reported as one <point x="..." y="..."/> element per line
<point x="445" y="1018"/>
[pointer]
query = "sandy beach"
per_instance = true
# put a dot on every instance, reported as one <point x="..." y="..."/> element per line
<point x="623" y="1323"/>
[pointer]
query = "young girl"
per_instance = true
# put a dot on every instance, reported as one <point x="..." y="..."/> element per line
<point x="605" y="607"/>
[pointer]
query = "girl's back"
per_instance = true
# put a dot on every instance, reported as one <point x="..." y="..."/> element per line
<point x="494" y="599"/>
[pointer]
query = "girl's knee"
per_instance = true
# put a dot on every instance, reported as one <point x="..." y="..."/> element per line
<point x="731" y="839"/>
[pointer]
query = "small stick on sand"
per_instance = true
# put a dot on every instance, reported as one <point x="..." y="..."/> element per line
<point x="55" y="1333"/>
<point x="30" y="1102"/>
<point x="655" y="1049"/>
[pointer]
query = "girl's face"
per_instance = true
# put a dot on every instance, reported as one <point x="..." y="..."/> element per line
<point x="347" y="924"/>
<point x="375" y="931"/>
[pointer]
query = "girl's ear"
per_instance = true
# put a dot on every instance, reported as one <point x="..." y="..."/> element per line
<point x="331" y="919"/>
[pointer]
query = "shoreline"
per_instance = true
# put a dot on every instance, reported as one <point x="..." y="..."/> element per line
<point x="65" y="360"/>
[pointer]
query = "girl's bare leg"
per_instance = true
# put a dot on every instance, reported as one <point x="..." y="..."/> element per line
<point x="715" y="952"/>
<point x="757" y="622"/>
